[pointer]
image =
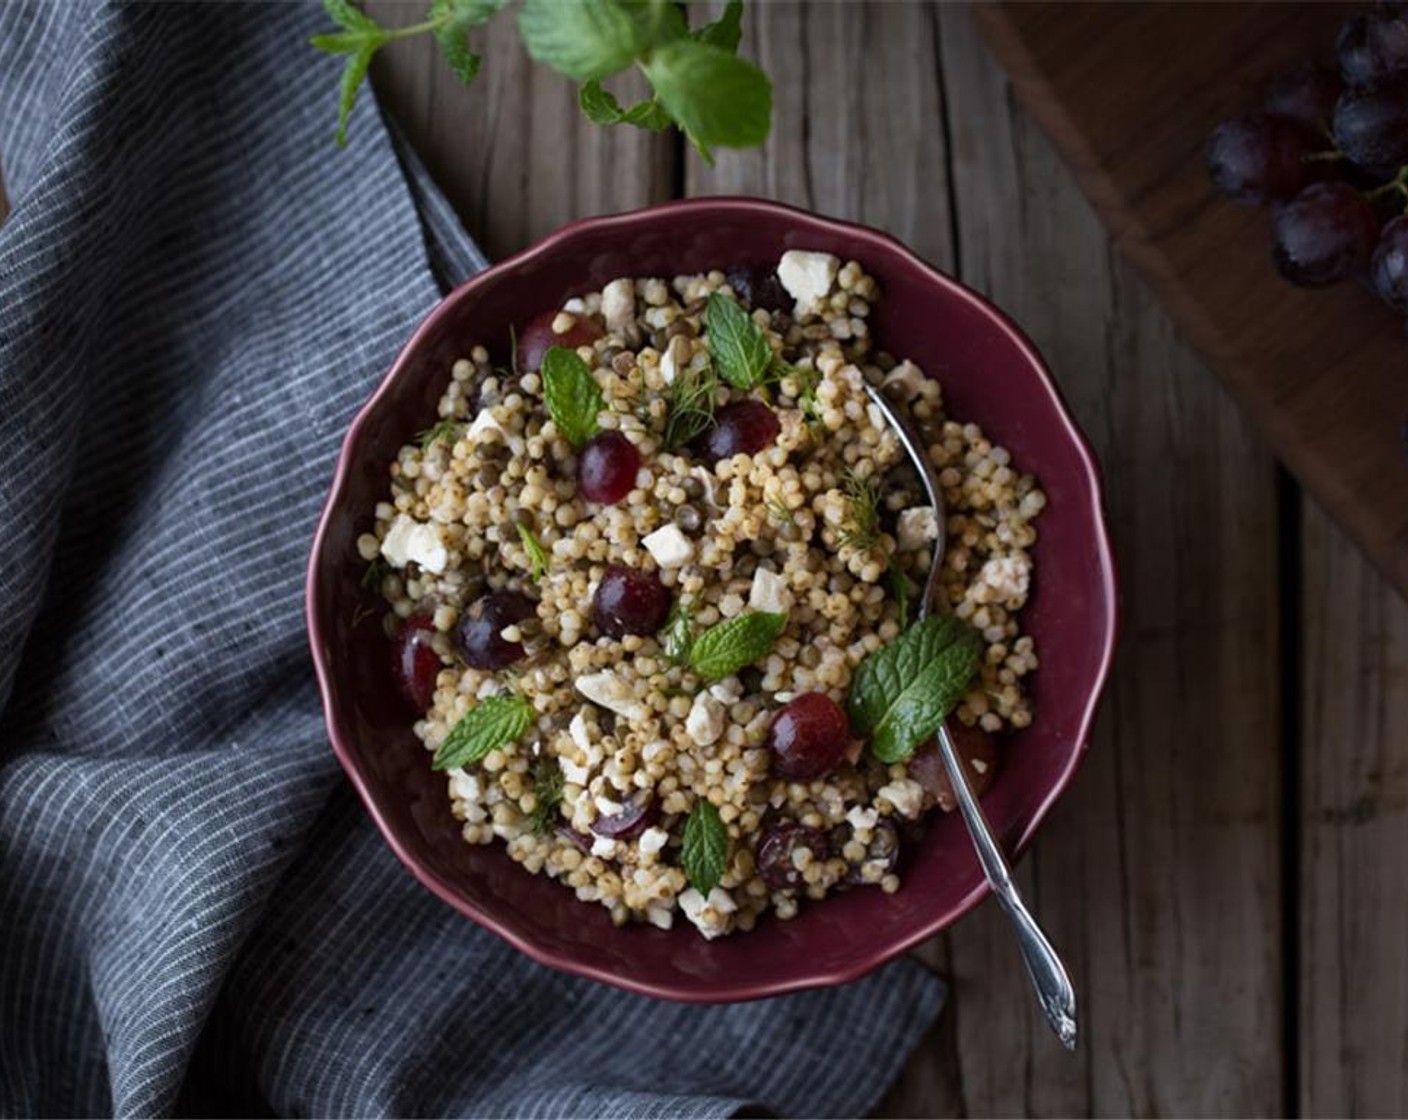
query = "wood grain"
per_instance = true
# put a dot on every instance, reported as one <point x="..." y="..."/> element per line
<point x="1129" y="94"/>
<point x="1354" y="904"/>
<point x="512" y="153"/>
<point x="1159" y="873"/>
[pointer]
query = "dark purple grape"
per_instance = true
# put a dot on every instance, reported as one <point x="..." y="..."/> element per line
<point x="774" y="856"/>
<point x="758" y="286"/>
<point x="537" y="337"/>
<point x="1389" y="266"/>
<point x="973" y="745"/>
<point x="631" y="821"/>
<point x="1324" y="234"/>
<point x="1305" y="97"/>
<point x="629" y="601"/>
<point x="479" y="630"/>
<point x="1373" y="46"/>
<point x="1257" y="158"/>
<point x="1371" y="127"/>
<point x="607" y="467"/>
<point x="884" y="848"/>
<point x="414" y="664"/>
<point x="808" y="737"/>
<point x="741" y="428"/>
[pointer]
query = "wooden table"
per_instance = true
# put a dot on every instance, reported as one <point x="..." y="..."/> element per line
<point x="1228" y="878"/>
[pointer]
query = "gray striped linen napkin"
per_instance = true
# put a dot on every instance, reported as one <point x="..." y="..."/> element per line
<point x="196" y="292"/>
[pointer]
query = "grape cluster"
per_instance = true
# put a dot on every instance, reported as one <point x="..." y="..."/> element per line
<point x="1329" y="151"/>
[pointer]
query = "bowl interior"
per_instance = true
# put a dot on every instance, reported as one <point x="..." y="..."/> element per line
<point x="990" y="376"/>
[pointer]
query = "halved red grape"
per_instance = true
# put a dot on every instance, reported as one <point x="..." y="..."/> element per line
<point x="414" y="664"/>
<point x="567" y="832"/>
<point x="1371" y="126"/>
<point x="973" y="744"/>
<point x="1324" y="234"/>
<point x="758" y="286"/>
<point x="479" y="631"/>
<point x="774" y="856"/>
<point x="631" y="821"/>
<point x="629" y="601"/>
<point x="1306" y="97"/>
<point x="808" y="737"/>
<point x="1389" y="268"/>
<point x="741" y="428"/>
<point x="607" y="468"/>
<point x="1257" y="158"/>
<point x="537" y="336"/>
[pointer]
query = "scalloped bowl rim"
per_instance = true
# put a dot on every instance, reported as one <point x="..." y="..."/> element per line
<point x="867" y="959"/>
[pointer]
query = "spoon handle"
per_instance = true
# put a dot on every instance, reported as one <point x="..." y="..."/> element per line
<point x="1053" y="986"/>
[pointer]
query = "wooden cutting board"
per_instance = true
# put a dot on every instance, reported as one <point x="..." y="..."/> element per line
<point x="1128" y="93"/>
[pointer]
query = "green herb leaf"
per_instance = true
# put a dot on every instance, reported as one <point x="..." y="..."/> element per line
<point x="724" y="649"/>
<point x="584" y="39"/>
<point x="446" y="429"/>
<point x="739" y="346"/>
<point x="724" y="32"/>
<point x="678" y="634"/>
<point x="601" y="107"/>
<point x="690" y="402"/>
<point x="573" y="397"/>
<point x="455" y="18"/>
<point x="492" y="723"/>
<point x="704" y="851"/>
<point x="345" y="15"/>
<point x="547" y="793"/>
<point x="902" y="692"/>
<point x="717" y="98"/>
<point x="537" y="555"/>
<point x="353" y="74"/>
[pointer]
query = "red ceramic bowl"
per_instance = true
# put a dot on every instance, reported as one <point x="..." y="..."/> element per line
<point x="991" y="375"/>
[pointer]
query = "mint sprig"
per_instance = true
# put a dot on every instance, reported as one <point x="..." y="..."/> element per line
<point x="698" y="83"/>
<point x="902" y="692"/>
<point x="704" y="850"/>
<point x="735" y="644"/>
<point x="738" y="345"/>
<point x="573" y="397"/>
<point x="492" y="723"/>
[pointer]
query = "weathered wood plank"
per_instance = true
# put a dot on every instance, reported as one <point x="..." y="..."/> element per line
<point x="1159" y="874"/>
<point x="1354" y="843"/>
<point x="512" y="153"/>
<point x="854" y="87"/>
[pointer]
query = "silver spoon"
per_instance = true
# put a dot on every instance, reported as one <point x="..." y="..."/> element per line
<point x="1048" y="974"/>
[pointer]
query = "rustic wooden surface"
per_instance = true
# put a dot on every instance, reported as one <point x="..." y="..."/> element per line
<point x="1229" y="875"/>
<point x="1129" y="94"/>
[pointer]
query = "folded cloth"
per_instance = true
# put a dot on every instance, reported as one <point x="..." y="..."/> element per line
<point x="196" y="291"/>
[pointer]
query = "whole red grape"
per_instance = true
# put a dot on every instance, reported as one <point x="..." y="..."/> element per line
<point x="1389" y="267"/>
<point x="537" y="337"/>
<point x="1371" y="126"/>
<point x="1258" y="158"/>
<point x="1325" y="233"/>
<point x="1305" y="97"/>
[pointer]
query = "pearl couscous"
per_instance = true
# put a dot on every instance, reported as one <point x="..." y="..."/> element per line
<point x="553" y="559"/>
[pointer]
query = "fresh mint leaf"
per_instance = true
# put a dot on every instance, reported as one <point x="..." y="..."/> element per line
<point x="573" y="397"/>
<point x="354" y="72"/>
<point x="718" y="99"/>
<point x="537" y="555"/>
<point x="732" y="645"/>
<point x="492" y="723"/>
<point x="724" y="32"/>
<point x="739" y="346"/>
<point x="583" y="39"/>
<point x="455" y="51"/>
<point x="601" y="107"/>
<point x="349" y="17"/>
<point x="678" y="634"/>
<point x="454" y="19"/>
<point x="902" y="692"/>
<point x="704" y="850"/>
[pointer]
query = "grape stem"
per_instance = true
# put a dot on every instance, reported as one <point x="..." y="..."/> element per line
<point x="1398" y="183"/>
